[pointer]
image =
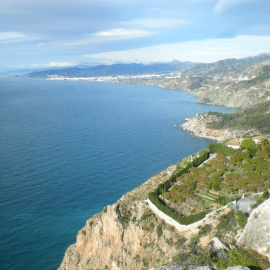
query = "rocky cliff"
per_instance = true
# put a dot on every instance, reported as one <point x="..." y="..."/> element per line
<point x="131" y="235"/>
<point x="198" y="127"/>
<point x="122" y="237"/>
<point x="126" y="235"/>
<point x="256" y="234"/>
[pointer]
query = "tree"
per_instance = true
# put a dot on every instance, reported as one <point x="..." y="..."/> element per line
<point x="250" y="146"/>
<point x="264" y="143"/>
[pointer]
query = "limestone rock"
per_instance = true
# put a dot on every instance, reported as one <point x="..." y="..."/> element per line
<point x="238" y="267"/>
<point x="122" y="237"/>
<point x="244" y="205"/>
<point x="256" y="234"/>
<point x="217" y="245"/>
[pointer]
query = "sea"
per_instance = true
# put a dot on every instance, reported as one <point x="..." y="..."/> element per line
<point x="70" y="148"/>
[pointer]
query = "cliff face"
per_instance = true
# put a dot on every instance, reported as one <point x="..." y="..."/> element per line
<point x="130" y="235"/>
<point x="122" y="238"/>
<point x="256" y="234"/>
<point x="126" y="235"/>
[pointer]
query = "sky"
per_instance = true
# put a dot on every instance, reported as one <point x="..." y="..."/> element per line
<point x="60" y="33"/>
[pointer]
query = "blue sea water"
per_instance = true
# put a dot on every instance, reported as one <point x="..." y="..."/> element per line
<point x="68" y="149"/>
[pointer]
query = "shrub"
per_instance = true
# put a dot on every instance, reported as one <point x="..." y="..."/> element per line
<point x="226" y="221"/>
<point x="240" y="155"/>
<point x="220" y="148"/>
<point x="125" y="218"/>
<point x="159" y="230"/>
<point x="222" y="200"/>
<point x="192" y="185"/>
<point x="181" y="241"/>
<point x="205" y="230"/>
<point x="263" y="197"/>
<point x="241" y="219"/>
<point x="244" y="257"/>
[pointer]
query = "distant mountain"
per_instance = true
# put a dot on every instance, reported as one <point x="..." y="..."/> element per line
<point x="112" y="70"/>
<point x="236" y="83"/>
<point x="225" y="67"/>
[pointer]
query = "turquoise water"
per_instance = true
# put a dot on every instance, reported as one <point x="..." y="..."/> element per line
<point x="68" y="149"/>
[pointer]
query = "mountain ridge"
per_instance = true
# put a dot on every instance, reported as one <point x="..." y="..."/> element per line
<point x="115" y="69"/>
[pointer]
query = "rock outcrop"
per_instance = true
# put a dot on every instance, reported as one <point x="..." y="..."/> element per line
<point x="256" y="234"/>
<point x="122" y="237"/>
<point x="197" y="126"/>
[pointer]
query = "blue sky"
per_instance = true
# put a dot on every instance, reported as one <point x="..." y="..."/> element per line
<point x="55" y="33"/>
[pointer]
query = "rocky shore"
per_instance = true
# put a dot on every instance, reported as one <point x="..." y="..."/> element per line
<point x="198" y="126"/>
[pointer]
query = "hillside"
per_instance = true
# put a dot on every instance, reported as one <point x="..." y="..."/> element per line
<point x="232" y="82"/>
<point x="245" y="123"/>
<point x="129" y="235"/>
<point x="254" y="118"/>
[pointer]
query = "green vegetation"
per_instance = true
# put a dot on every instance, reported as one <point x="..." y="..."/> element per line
<point x="220" y="180"/>
<point x="260" y="200"/>
<point x="245" y="257"/>
<point x="227" y="222"/>
<point x="154" y="196"/>
<point x="241" y="219"/>
<point x="205" y="230"/>
<point x="125" y="218"/>
<point x="256" y="117"/>
<point x="220" y="148"/>
<point x="195" y="254"/>
<point x="159" y="230"/>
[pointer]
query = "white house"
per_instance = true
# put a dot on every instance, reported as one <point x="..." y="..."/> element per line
<point x="235" y="144"/>
<point x="258" y="139"/>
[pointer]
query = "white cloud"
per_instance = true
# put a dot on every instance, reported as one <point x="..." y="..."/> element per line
<point x="99" y="37"/>
<point x="123" y="33"/>
<point x="60" y="64"/>
<point x="207" y="51"/>
<point x="55" y="64"/>
<point x="156" y="23"/>
<point x="7" y="37"/>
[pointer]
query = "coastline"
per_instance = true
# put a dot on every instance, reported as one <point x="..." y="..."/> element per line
<point x="127" y="214"/>
<point x="195" y="126"/>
